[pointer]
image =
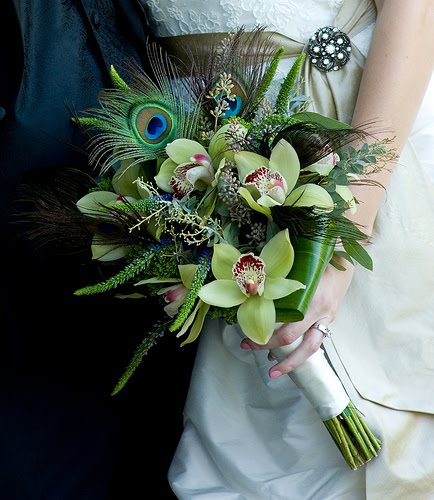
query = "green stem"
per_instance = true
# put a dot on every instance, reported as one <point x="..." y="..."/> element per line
<point x="373" y="441"/>
<point x="352" y="436"/>
<point x="335" y="429"/>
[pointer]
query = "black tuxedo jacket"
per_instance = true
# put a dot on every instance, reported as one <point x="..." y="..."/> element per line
<point x="62" y="436"/>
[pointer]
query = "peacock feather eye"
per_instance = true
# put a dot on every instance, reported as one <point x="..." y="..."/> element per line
<point x="236" y="105"/>
<point x="152" y="124"/>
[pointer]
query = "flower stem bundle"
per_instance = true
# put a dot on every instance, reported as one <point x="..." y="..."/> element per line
<point x="321" y="386"/>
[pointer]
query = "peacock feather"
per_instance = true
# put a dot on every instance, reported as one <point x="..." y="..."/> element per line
<point x="250" y="60"/>
<point x="136" y="121"/>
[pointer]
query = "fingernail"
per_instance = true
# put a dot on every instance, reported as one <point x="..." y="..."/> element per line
<point x="275" y="374"/>
<point x="245" y="346"/>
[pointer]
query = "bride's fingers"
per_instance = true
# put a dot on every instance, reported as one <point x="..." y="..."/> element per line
<point x="282" y="336"/>
<point x="311" y="342"/>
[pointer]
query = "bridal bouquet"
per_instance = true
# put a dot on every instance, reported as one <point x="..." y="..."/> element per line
<point x="219" y="199"/>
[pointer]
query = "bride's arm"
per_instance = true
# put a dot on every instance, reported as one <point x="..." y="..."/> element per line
<point x="397" y="72"/>
<point x="394" y="81"/>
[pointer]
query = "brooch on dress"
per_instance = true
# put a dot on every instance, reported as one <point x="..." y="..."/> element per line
<point x="329" y="49"/>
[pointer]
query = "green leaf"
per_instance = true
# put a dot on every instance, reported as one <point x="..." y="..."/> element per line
<point x="358" y="253"/>
<point x="311" y="259"/>
<point x="343" y="255"/>
<point x="329" y="123"/>
<point x="337" y="264"/>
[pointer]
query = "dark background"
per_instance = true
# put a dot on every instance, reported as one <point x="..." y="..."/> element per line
<point x="62" y="436"/>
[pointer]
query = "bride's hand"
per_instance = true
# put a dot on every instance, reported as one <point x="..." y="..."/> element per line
<point x="323" y="309"/>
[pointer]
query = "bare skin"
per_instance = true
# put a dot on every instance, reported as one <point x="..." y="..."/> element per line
<point x="396" y="75"/>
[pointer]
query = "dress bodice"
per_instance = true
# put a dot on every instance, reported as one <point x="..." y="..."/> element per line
<point x="296" y="18"/>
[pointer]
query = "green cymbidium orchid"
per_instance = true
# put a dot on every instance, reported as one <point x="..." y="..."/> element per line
<point x="92" y="204"/>
<point x="220" y="143"/>
<point x="252" y="283"/>
<point x="270" y="182"/>
<point x="188" y="167"/>
<point x="324" y="167"/>
<point x="127" y="187"/>
<point x="124" y="181"/>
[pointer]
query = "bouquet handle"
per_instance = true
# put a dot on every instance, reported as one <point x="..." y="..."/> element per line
<point x="322" y="387"/>
<point x="318" y="382"/>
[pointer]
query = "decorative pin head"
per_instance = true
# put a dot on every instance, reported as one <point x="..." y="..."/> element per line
<point x="329" y="49"/>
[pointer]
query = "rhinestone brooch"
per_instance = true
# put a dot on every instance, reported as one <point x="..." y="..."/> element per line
<point x="329" y="49"/>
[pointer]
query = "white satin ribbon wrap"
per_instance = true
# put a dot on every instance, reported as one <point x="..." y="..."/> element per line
<point x="317" y="380"/>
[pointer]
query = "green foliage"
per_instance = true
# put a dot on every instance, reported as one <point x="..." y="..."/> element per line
<point x="211" y="208"/>
<point x="117" y="81"/>
<point x="131" y="270"/>
<point x="311" y="259"/>
<point x="358" y="253"/>
<point x="91" y="123"/>
<point x="325" y="121"/>
<point x="199" y="279"/>
<point x="228" y="313"/>
<point x="269" y="75"/>
<point x="152" y="336"/>
<point x="287" y="87"/>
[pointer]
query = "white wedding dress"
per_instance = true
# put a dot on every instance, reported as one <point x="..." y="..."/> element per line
<point x="248" y="437"/>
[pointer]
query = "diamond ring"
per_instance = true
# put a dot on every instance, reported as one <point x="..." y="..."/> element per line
<point x="323" y="329"/>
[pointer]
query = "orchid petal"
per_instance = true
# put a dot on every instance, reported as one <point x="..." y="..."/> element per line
<point x="107" y="253"/>
<point x="278" y="255"/>
<point x="190" y="319"/>
<point x="248" y="162"/>
<point x="253" y="204"/>
<point x="154" y="229"/>
<point x="284" y="159"/>
<point x="187" y="272"/>
<point x="201" y="175"/>
<point x="310" y="195"/>
<point x="219" y="146"/>
<point x="130" y="296"/>
<point x="181" y="150"/>
<point x="157" y="280"/>
<point x="257" y="317"/>
<point x="276" y="288"/>
<point x="93" y="203"/>
<point x="218" y="172"/>
<point x="324" y="166"/>
<point x="222" y="293"/>
<point x="174" y="296"/>
<point x="123" y="180"/>
<point x="198" y="323"/>
<point x="142" y="189"/>
<point x="165" y="174"/>
<point x="322" y="169"/>
<point x="267" y="201"/>
<point x="223" y="259"/>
